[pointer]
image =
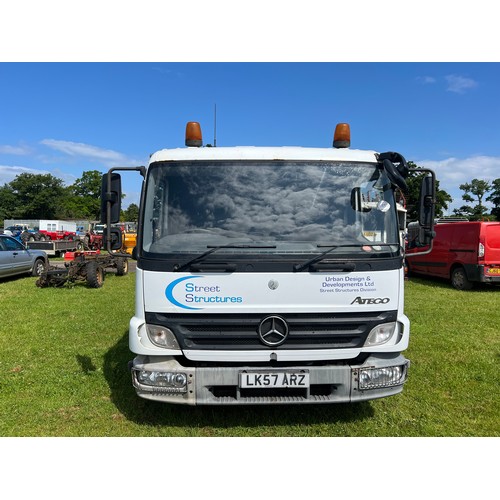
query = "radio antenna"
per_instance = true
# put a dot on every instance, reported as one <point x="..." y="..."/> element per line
<point x="215" y="125"/>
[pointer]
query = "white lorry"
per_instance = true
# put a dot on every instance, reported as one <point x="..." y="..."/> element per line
<point x="268" y="275"/>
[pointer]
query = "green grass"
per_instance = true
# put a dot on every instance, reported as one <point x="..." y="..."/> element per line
<point x="64" y="354"/>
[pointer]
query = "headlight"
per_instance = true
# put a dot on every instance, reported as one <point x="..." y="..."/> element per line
<point x="162" y="337"/>
<point x="381" y="334"/>
<point x="168" y="381"/>
<point x="375" y="378"/>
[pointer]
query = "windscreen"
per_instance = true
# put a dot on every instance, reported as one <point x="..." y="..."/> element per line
<point x="291" y="206"/>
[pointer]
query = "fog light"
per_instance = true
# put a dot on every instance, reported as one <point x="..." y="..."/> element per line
<point x="162" y="337"/>
<point x="381" y="334"/>
<point x="374" y="378"/>
<point x="168" y="381"/>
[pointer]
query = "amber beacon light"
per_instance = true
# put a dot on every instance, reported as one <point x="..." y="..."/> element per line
<point x="193" y="135"/>
<point x="342" y="136"/>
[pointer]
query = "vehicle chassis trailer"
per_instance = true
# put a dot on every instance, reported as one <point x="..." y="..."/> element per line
<point x="91" y="269"/>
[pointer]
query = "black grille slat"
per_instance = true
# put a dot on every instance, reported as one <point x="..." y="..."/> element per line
<point x="239" y="331"/>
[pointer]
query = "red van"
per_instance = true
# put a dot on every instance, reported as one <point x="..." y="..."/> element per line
<point x="463" y="252"/>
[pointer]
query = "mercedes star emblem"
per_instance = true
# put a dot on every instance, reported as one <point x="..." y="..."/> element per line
<point x="273" y="331"/>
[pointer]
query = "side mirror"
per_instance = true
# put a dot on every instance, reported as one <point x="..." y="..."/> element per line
<point x="116" y="238"/>
<point x="111" y="198"/>
<point x="426" y="210"/>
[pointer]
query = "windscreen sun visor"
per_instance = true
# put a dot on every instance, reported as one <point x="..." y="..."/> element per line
<point x="397" y="174"/>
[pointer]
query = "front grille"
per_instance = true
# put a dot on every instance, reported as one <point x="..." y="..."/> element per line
<point x="239" y="331"/>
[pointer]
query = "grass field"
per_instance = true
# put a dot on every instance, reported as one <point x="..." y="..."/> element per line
<point x="64" y="354"/>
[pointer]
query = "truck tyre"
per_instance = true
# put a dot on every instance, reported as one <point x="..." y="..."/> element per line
<point x="121" y="266"/>
<point x="459" y="279"/>
<point x="95" y="274"/>
<point x="39" y="267"/>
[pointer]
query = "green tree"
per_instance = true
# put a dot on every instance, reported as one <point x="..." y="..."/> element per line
<point x="475" y="190"/>
<point x="32" y="196"/>
<point x="7" y="202"/>
<point x="413" y="181"/>
<point x="83" y="200"/>
<point x="130" y="214"/>
<point x="464" y="211"/>
<point x="494" y="198"/>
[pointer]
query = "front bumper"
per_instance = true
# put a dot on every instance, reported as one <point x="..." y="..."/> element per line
<point x="209" y="385"/>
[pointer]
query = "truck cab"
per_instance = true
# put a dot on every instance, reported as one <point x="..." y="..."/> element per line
<point x="267" y="275"/>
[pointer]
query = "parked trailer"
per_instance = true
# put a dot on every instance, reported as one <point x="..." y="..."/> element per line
<point x="91" y="269"/>
<point x="57" y="230"/>
<point x="56" y="247"/>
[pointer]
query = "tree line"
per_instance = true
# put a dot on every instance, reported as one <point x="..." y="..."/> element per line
<point x="474" y="194"/>
<point x="44" y="196"/>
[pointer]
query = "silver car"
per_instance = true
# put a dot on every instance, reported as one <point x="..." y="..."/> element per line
<point x="15" y="258"/>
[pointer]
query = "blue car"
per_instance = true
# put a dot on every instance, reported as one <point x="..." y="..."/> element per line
<point x="16" y="259"/>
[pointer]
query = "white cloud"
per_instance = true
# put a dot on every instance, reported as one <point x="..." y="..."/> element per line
<point x="108" y="157"/>
<point x="459" y="84"/>
<point x="452" y="172"/>
<point x="9" y="173"/>
<point x="14" y="150"/>
<point x="426" y="80"/>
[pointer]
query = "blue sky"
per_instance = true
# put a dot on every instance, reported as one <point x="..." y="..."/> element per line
<point x="65" y="118"/>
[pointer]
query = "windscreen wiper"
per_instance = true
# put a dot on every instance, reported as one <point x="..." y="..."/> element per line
<point x="342" y="266"/>
<point x="181" y="267"/>
<point x="347" y="266"/>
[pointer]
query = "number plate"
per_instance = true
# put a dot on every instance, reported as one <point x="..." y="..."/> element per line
<point x="494" y="270"/>
<point x="261" y="380"/>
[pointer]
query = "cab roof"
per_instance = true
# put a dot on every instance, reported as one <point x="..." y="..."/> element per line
<point x="263" y="153"/>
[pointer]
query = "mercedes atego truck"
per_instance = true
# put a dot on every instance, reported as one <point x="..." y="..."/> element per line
<point x="269" y="275"/>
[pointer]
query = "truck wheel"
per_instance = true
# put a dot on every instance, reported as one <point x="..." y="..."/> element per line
<point x="459" y="279"/>
<point x="121" y="266"/>
<point x="95" y="274"/>
<point x="39" y="267"/>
